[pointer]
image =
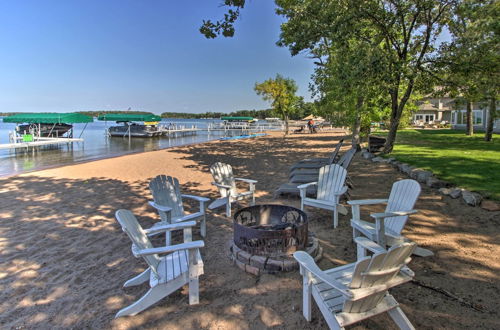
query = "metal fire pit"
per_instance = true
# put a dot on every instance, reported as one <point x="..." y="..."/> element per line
<point x="270" y="230"/>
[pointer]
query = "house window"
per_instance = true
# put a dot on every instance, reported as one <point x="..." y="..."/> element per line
<point x="419" y="117"/>
<point x="478" y="117"/>
<point x="429" y="118"/>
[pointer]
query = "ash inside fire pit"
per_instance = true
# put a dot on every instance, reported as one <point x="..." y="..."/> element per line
<point x="265" y="237"/>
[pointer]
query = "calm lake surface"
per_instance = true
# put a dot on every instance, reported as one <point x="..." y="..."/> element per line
<point x="96" y="145"/>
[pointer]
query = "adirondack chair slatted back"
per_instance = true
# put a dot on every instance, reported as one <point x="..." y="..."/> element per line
<point x="335" y="152"/>
<point x="379" y="269"/>
<point x="223" y="174"/>
<point x="346" y="158"/>
<point x="404" y="195"/>
<point x="331" y="179"/>
<point x="166" y="192"/>
<point x="134" y="231"/>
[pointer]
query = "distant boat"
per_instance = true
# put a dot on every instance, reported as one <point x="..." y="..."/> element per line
<point x="133" y="125"/>
<point x="46" y="124"/>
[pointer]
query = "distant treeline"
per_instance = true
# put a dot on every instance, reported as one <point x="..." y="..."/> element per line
<point x="100" y="112"/>
<point x="259" y="114"/>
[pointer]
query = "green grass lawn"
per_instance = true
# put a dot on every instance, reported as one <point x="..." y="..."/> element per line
<point x="466" y="161"/>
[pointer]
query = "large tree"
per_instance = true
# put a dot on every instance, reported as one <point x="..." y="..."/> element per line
<point x="471" y="60"/>
<point x="280" y="92"/>
<point x="401" y="32"/>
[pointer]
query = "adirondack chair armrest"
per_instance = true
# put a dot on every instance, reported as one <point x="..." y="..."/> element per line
<point x="197" y="198"/>
<point x="160" y="207"/>
<point x="305" y="185"/>
<point x="247" y="180"/>
<point x="172" y="248"/>
<point x="220" y="185"/>
<point x="367" y="201"/>
<point x="306" y="261"/>
<point x="164" y="228"/>
<point x="369" y="245"/>
<point x="392" y="214"/>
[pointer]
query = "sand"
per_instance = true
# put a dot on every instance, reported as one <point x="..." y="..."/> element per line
<point x="64" y="259"/>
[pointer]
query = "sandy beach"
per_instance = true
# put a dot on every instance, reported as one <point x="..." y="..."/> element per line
<point x="64" y="258"/>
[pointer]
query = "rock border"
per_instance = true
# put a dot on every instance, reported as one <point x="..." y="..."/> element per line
<point x="428" y="178"/>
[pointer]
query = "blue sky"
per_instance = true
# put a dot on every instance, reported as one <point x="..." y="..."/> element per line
<point x="61" y="55"/>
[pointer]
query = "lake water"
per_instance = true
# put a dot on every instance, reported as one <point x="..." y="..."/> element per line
<point x="96" y="145"/>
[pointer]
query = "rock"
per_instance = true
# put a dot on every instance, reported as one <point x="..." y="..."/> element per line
<point x="367" y="155"/>
<point x="471" y="198"/>
<point x="421" y="175"/>
<point x="396" y="164"/>
<point x="378" y="160"/>
<point x="455" y="193"/>
<point x="445" y="191"/>
<point x="490" y="206"/>
<point x="406" y="169"/>
<point x="434" y="182"/>
<point x="391" y="160"/>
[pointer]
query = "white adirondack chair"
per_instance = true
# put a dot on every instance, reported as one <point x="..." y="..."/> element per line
<point x="331" y="186"/>
<point x="348" y="294"/>
<point x="226" y="184"/>
<point x="170" y="266"/>
<point x="168" y="202"/>
<point x="388" y="225"/>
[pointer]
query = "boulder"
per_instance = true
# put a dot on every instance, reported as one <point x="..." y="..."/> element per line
<point x="434" y="182"/>
<point x="445" y="191"/>
<point x="421" y="175"/>
<point x="491" y="206"/>
<point x="378" y="160"/>
<point x="406" y="169"/>
<point x="471" y="198"/>
<point x="455" y="193"/>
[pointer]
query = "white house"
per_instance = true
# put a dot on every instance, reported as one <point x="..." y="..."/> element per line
<point x="435" y="110"/>
<point x="480" y="115"/>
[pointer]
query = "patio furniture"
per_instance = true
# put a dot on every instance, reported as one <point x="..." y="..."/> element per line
<point x="170" y="266"/>
<point x="225" y="182"/>
<point x="348" y="294"/>
<point x="168" y="201"/>
<point x="388" y="225"/>
<point x="331" y="185"/>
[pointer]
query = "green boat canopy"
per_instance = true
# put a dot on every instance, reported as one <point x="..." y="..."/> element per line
<point x="236" y="118"/>
<point x="48" y="118"/>
<point x="129" y="117"/>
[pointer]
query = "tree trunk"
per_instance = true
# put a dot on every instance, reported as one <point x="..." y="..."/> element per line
<point x="394" y="124"/>
<point x="286" y="125"/>
<point x="488" y="136"/>
<point x="470" y="125"/>
<point x="357" y="124"/>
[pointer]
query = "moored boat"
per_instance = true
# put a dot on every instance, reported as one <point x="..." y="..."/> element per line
<point x="132" y="125"/>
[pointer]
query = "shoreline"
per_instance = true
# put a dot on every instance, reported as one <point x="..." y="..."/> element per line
<point x="50" y="167"/>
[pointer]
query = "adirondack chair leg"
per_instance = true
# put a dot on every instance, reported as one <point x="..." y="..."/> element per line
<point x="194" y="289"/>
<point x="335" y="217"/>
<point x="153" y="295"/>
<point x="203" y="226"/>
<point x="139" y="279"/>
<point x="306" y="296"/>
<point x="400" y="318"/>
<point x="228" y="207"/>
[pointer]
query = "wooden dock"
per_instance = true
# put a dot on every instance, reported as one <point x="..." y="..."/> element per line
<point x="39" y="142"/>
